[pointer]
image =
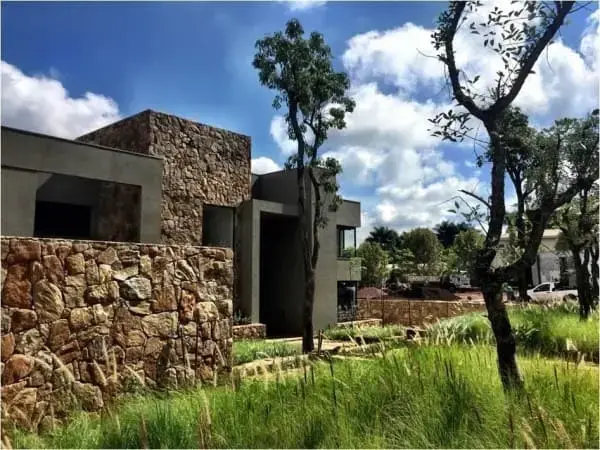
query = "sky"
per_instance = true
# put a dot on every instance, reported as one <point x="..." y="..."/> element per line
<point x="68" y="68"/>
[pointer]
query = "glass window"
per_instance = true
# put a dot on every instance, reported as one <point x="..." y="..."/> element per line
<point x="346" y="238"/>
<point x="543" y="288"/>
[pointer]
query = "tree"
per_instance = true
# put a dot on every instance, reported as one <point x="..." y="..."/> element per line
<point x="578" y="222"/>
<point x="446" y="231"/>
<point x="425" y="247"/>
<point x="301" y="72"/>
<point x="374" y="261"/>
<point x="403" y="261"/>
<point x="388" y="238"/>
<point x="467" y="245"/>
<point x="518" y="36"/>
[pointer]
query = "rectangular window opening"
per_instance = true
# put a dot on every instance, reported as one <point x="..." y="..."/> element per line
<point x="218" y="224"/>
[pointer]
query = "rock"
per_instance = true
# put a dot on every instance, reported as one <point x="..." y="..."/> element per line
<point x="134" y="355"/>
<point x="100" y="315"/>
<point x="126" y="273"/>
<point x="166" y="299"/>
<point x="89" y="395"/>
<point x="92" y="273"/>
<point x="59" y="334"/>
<point x="137" y="288"/>
<point x="146" y="265"/>
<point x="161" y="324"/>
<point x="75" y="264"/>
<point x="187" y="303"/>
<point x="153" y="347"/>
<point x="8" y="346"/>
<point x="17" y="288"/>
<point x="23" y="319"/>
<point x="17" y="367"/>
<point x="5" y="320"/>
<point x="185" y="271"/>
<point x="29" y="341"/>
<point x="108" y="256"/>
<point x="124" y="321"/>
<point x="225" y="308"/>
<point x="205" y="311"/>
<point x="48" y="301"/>
<point x="103" y="293"/>
<point x="140" y="308"/>
<point x="105" y="272"/>
<point x="54" y="270"/>
<point x="69" y="352"/>
<point x="136" y="338"/>
<point x="24" y="250"/>
<point x="74" y="291"/>
<point x="37" y="272"/>
<point x="81" y="318"/>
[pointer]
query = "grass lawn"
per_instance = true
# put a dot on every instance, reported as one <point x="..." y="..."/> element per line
<point x="245" y="351"/>
<point x="551" y="331"/>
<point x="418" y="397"/>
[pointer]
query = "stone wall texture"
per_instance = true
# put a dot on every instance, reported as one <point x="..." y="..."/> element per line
<point x="414" y="312"/>
<point x="250" y="331"/>
<point x="83" y="321"/>
<point x="202" y="165"/>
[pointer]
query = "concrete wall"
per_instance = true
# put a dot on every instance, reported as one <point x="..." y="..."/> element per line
<point x="348" y="214"/>
<point x="83" y="321"/>
<point x="25" y="155"/>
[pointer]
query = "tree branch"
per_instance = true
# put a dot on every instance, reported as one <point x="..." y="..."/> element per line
<point x="476" y="197"/>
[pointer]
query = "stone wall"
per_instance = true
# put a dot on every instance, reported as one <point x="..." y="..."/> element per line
<point x="250" y="331"/>
<point x="202" y="165"/>
<point x="414" y="312"/>
<point x="83" y="321"/>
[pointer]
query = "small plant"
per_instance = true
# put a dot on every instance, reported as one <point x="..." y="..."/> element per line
<point x="245" y="351"/>
<point x="240" y="318"/>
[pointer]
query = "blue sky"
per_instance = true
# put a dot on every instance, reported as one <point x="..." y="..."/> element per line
<point x="194" y="60"/>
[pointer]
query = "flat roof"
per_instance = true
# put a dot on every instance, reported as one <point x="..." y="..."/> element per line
<point x="72" y="141"/>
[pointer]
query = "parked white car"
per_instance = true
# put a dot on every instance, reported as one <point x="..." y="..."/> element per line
<point x="550" y="291"/>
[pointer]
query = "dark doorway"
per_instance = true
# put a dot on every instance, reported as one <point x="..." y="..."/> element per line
<point x="281" y="275"/>
<point x="54" y="219"/>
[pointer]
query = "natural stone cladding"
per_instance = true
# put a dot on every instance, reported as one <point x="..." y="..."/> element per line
<point x="250" y="331"/>
<point x="82" y="321"/>
<point x="414" y="312"/>
<point x="201" y="165"/>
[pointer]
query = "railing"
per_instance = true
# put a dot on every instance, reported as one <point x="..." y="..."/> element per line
<point x="347" y="314"/>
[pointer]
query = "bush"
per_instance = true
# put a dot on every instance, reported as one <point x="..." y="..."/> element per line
<point x="245" y="351"/>
<point x="369" y="334"/>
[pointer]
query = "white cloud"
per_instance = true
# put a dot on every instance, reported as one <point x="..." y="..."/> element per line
<point x="42" y="104"/>
<point x="262" y="165"/>
<point x="303" y="5"/>
<point x="279" y="134"/>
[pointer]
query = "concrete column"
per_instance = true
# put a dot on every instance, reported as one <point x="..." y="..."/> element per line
<point x="19" y="189"/>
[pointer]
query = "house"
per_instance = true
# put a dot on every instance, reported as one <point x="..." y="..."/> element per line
<point x="157" y="178"/>
<point x="550" y="265"/>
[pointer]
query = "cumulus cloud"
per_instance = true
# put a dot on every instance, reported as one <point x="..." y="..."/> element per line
<point x="262" y="165"/>
<point x="303" y="5"/>
<point x="42" y="104"/>
<point x="387" y="146"/>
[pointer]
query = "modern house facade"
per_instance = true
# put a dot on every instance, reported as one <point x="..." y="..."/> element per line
<point x="157" y="178"/>
<point x="550" y="265"/>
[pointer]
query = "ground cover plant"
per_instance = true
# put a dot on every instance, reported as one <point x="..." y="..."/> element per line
<point x="418" y="397"/>
<point x="245" y="351"/>
<point x="552" y="330"/>
<point x="368" y="334"/>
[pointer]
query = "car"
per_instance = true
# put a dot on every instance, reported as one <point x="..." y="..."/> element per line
<point x="551" y="291"/>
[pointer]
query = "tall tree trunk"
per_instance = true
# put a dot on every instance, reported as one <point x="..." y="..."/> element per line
<point x="583" y="285"/>
<point x="506" y="344"/>
<point x="522" y="286"/>
<point x="308" y="343"/>
<point x="520" y="224"/>
<point x="595" y="271"/>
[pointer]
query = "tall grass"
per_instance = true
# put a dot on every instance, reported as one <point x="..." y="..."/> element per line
<point x="421" y="397"/>
<point x="551" y="331"/>
<point x="245" y="351"/>
<point x="367" y="333"/>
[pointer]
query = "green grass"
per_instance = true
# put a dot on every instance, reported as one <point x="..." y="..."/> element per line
<point x="367" y="333"/>
<point x="551" y="331"/>
<point x="418" y="397"/>
<point x="245" y="351"/>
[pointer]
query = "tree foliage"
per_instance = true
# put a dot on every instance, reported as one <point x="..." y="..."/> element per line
<point x="300" y="70"/>
<point x="374" y="262"/>
<point x="467" y="245"/>
<point x="446" y="231"/>
<point x="516" y="33"/>
<point x="426" y="249"/>
<point x="388" y="238"/>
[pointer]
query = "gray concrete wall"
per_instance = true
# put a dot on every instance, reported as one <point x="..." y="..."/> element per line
<point x="280" y="187"/>
<point x="348" y="214"/>
<point x="30" y="152"/>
